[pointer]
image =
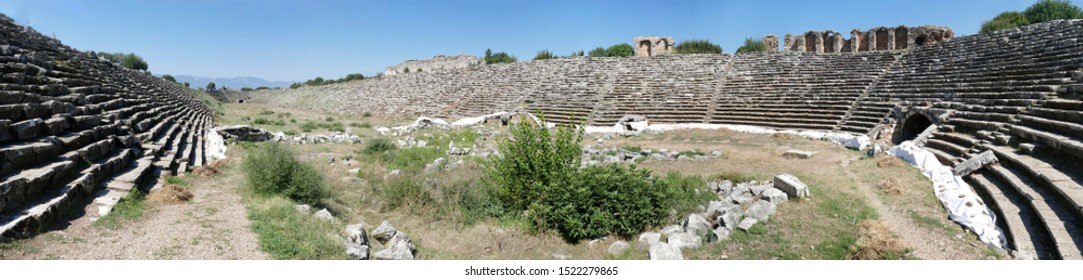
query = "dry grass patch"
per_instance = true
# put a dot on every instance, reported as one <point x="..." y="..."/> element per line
<point x="889" y="162"/>
<point x="892" y="186"/>
<point x="170" y="194"/>
<point x="876" y="242"/>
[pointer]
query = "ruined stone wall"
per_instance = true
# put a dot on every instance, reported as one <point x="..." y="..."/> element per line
<point x="437" y="63"/>
<point x="876" y="39"/>
<point x="73" y="124"/>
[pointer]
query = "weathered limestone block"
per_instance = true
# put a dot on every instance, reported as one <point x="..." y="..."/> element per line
<point x="798" y="154"/>
<point x="696" y="224"/>
<point x="683" y="240"/>
<point x="761" y="210"/>
<point x="384" y="232"/>
<point x="791" y="185"/>
<point x="974" y="163"/>
<point x="663" y="251"/>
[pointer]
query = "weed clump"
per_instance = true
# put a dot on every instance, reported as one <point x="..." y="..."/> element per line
<point x="538" y="177"/>
<point x="273" y="168"/>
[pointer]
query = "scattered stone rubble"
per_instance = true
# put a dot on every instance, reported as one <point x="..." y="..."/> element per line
<point x="396" y="244"/>
<point x="596" y="156"/>
<point x="739" y="206"/>
<point x="255" y="134"/>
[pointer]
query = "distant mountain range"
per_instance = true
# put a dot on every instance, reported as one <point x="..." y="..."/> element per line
<point x="233" y="83"/>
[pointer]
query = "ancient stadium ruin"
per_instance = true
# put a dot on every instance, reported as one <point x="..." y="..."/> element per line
<point x="80" y="132"/>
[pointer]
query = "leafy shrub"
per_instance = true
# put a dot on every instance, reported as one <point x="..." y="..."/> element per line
<point x="366" y="114"/>
<point x="1047" y="10"/>
<point x="261" y="121"/>
<point x="273" y="168"/>
<point x="377" y="146"/>
<point x="544" y="54"/>
<point x="538" y="172"/>
<point x="598" y="52"/>
<point x="534" y="161"/>
<point x="620" y="50"/>
<point x="169" y="78"/>
<point x="130" y="60"/>
<point x="697" y="46"/>
<point x="752" y="46"/>
<point x="500" y="57"/>
<point x="603" y="200"/>
<point x="1006" y="20"/>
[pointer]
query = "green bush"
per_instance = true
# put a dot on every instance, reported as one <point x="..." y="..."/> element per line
<point x="261" y="120"/>
<point x="500" y="57"/>
<point x="752" y="46"/>
<point x="169" y="78"/>
<point x="130" y="60"/>
<point x="603" y="200"/>
<point x="620" y="50"/>
<point x="1047" y="10"/>
<point x="533" y="162"/>
<point x="598" y="52"/>
<point x="377" y="146"/>
<point x="1006" y="20"/>
<point x="273" y="168"/>
<point x="697" y="46"/>
<point x="544" y="54"/>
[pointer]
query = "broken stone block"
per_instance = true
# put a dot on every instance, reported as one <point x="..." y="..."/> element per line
<point x="974" y="163"/>
<point x="798" y="154"/>
<point x="662" y="251"/>
<point x="774" y="196"/>
<point x="747" y="223"/>
<point x="761" y="210"/>
<point x="791" y="185"/>
<point x="683" y="240"/>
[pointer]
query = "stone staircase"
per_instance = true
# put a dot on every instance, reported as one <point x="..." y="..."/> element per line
<point x="76" y="128"/>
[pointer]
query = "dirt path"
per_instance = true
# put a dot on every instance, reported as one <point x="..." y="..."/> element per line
<point x="213" y="225"/>
<point x="924" y="243"/>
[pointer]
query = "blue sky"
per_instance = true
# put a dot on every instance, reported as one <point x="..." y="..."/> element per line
<point x="284" y="40"/>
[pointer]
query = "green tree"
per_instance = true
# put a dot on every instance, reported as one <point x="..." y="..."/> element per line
<point x="1047" y="10"/>
<point x="752" y="46"/>
<point x="211" y="86"/>
<point x="620" y="50"/>
<point x="187" y="85"/>
<point x="170" y="78"/>
<point x="500" y="57"/>
<point x="1006" y="20"/>
<point x="544" y="54"/>
<point x="697" y="46"/>
<point x="598" y="52"/>
<point x="134" y="62"/>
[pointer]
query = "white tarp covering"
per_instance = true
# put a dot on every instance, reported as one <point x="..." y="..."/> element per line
<point x="964" y="206"/>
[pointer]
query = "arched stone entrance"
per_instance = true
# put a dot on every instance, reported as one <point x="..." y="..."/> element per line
<point x="911" y="127"/>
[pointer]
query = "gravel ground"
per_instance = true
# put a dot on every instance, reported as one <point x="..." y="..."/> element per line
<point x="213" y="225"/>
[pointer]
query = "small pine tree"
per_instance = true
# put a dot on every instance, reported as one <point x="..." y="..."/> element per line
<point x="544" y="54"/>
<point x="211" y="86"/>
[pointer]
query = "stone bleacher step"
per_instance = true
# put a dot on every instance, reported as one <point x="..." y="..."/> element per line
<point x="115" y="189"/>
<point x="1017" y="218"/>
<point x="1058" y="224"/>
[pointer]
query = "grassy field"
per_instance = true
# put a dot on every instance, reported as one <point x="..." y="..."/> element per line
<point x="439" y="207"/>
